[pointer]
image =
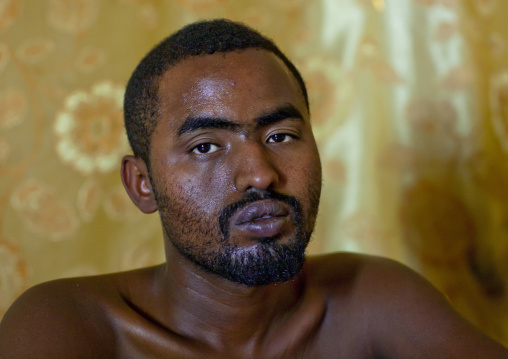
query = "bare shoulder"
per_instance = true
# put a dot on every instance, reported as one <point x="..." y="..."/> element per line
<point x="375" y="285"/>
<point x="403" y="315"/>
<point x="64" y="318"/>
<point x="344" y="273"/>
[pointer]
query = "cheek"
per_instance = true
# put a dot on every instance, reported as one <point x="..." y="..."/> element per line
<point x="304" y="181"/>
<point x="203" y="191"/>
<point x="303" y="173"/>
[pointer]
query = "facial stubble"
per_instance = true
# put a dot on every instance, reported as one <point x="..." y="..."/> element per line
<point x="268" y="261"/>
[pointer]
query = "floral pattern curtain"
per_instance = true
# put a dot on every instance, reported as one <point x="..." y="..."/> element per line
<point x="409" y="103"/>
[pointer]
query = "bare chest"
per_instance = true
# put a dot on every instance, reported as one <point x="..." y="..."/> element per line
<point x="325" y="339"/>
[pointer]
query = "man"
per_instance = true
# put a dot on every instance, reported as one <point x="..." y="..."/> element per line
<point x="218" y="119"/>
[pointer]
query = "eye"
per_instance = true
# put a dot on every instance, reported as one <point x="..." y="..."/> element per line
<point x="204" y="148"/>
<point x="280" y="137"/>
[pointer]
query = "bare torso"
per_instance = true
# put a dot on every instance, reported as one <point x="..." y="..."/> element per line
<point x="345" y="306"/>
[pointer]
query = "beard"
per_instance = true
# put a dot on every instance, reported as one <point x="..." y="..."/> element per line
<point x="266" y="262"/>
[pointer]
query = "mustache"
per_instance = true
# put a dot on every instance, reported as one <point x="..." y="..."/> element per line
<point x="228" y="211"/>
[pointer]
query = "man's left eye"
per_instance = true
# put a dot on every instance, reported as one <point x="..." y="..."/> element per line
<point x="279" y="137"/>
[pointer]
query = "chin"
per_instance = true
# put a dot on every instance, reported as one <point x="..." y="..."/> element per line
<point x="265" y="263"/>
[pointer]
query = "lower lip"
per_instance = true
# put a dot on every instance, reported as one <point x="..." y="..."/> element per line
<point x="262" y="227"/>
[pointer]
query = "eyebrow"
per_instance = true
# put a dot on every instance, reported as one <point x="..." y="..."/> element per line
<point x="282" y="113"/>
<point x="196" y="123"/>
<point x="192" y="124"/>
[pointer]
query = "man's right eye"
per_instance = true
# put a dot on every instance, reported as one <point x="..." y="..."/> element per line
<point x="204" y="148"/>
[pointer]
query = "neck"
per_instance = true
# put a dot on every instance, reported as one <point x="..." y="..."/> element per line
<point x="211" y="309"/>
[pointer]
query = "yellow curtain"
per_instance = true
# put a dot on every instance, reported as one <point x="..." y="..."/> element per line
<point x="409" y="102"/>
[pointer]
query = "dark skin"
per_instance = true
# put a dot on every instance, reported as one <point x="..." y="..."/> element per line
<point x="339" y="306"/>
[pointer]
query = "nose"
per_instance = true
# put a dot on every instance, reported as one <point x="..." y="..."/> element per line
<point x="255" y="168"/>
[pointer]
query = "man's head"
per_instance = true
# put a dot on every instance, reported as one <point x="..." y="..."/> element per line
<point x="234" y="169"/>
<point x="141" y="104"/>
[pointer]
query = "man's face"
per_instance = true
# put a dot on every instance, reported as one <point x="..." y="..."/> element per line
<point x="234" y="166"/>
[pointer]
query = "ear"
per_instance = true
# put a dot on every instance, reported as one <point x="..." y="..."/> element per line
<point x="137" y="183"/>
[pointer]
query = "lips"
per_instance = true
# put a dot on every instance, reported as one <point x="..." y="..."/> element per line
<point x="261" y="219"/>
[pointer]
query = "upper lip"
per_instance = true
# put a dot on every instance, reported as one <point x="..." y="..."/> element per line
<point x="258" y="209"/>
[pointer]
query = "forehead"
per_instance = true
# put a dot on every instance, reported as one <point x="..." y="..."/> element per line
<point x="237" y="86"/>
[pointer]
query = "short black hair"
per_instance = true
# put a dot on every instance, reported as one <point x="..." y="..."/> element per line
<point x="141" y="101"/>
